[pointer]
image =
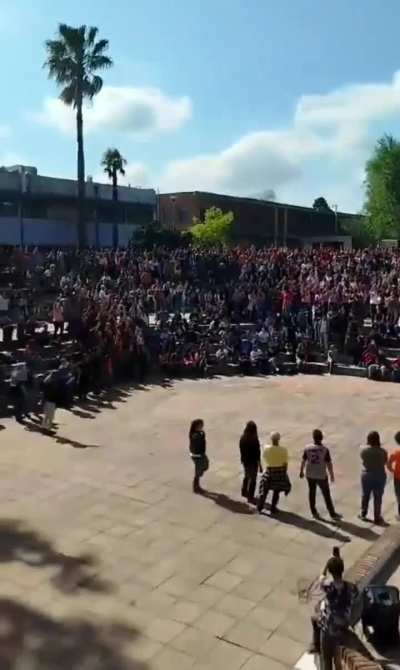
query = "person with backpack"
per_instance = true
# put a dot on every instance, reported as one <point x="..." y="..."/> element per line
<point x="333" y="615"/>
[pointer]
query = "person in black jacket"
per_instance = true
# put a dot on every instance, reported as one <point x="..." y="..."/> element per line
<point x="197" y="447"/>
<point x="249" y="446"/>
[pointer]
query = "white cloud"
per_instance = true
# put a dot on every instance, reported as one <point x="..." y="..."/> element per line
<point x="330" y="134"/>
<point x="140" y="112"/>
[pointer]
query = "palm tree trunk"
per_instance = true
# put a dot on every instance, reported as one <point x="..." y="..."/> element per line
<point x="115" y="208"/>
<point x="81" y="177"/>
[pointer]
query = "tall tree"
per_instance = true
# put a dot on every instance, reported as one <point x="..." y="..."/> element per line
<point x="114" y="163"/>
<point x="320" y="205"/>
<point x="73" y="59"/>
<point x="382" y="183"/>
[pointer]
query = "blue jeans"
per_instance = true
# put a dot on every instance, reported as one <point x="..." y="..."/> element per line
<point x="372" y="484"/>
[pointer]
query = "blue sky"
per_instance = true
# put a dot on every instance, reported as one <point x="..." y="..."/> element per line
<point x="236" y="96"/>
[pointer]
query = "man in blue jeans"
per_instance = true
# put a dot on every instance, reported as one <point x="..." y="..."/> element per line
<point x="373" y="476"/>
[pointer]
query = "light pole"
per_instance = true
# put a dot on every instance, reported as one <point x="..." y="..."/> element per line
<point x="173" y="201"/>
<point x="335" y="207"/>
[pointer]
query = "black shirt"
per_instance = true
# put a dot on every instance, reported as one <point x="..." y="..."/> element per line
<point x="249" y="450"/>
<point x="198" y="443"/>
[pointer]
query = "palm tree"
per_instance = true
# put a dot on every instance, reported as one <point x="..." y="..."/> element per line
<point x="113" y="163"/>
<point x="73" y="59"/>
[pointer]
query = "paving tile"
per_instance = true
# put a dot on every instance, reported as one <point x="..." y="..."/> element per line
<point x="194" y="642"/>
<point x="252" y="590"/>
<point x="163" y="630"/>
<point x="283" y="649"/>
<point x="224" y="580"/>
<point x="171" y="659"/>
<point x="235" y="606"/>
<point x="225" y="655"/>
<point x="266" y="618"/>
<point x="204" y="594"/>
<point x="215" y="623"/>
<point x="186" y="611"/>
<point x="248" y="635"/>
<point x="263" y="663"/>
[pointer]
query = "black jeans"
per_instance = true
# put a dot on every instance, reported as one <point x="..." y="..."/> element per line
<point x="249" y="481"/>
<point x="323" y="485"/>
<point x="330" y="652"/>
<point x="397" y="492"/>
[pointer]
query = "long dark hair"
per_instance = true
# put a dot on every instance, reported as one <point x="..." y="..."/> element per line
<point x="195" y="426"/>
<point x="250" y="430"/>
<point x="373" y="439"/>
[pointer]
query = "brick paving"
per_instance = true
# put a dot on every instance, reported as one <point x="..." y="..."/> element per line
<point x="108" y="561"/>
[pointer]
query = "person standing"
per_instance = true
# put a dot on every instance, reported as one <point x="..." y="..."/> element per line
<point x="317" y="465"/>
<point x="249" y="446"/>
<point x="394" y="467"/>
<point x="333" y="616"/>
<point x="197" y="447"/>
<point x="373" y="476"/>
<point x="275" y="477"/>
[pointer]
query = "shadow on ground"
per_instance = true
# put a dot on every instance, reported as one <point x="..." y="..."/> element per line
<point x="30" y="639"/>
<point x="20" y="543"/>
<point x="34" y="426"/>
<point x="311" y="525"/>
<point x="235" y="506"/>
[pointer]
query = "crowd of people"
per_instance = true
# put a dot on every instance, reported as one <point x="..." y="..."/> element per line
<point x="186" y="309"/>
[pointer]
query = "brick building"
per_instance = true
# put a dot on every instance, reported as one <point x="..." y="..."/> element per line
<point x="259" y="221"/>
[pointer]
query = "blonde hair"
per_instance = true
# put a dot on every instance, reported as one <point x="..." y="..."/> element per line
<point x="275" y="437"/>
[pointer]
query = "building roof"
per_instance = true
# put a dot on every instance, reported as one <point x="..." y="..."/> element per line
<point x="251" y="201"/>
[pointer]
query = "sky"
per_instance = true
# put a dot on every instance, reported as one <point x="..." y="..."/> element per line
<point x="247" y="97"/>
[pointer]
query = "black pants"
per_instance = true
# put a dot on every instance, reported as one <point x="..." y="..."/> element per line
<point x="323" y="485"/>
<point x="262" y="499"/>
<point x="249" y="481"/>
<point x="397" y="492"/>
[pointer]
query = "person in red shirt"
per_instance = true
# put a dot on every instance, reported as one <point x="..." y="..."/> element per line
<point x="394" y="467"/>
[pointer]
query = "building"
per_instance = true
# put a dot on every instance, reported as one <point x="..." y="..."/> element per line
<point x="39" y="210"/>
<point x="258" y="221"/>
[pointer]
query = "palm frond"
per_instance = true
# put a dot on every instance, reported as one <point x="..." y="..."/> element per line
<point x="69" y="95"/>
<point x="99" y="63"/>
<point x="91" y="36"/>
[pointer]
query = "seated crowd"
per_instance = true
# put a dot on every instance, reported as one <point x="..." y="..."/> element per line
<point x="187" y="309"/>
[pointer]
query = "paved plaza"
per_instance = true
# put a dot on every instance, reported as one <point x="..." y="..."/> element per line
<point x="109" y="562"/>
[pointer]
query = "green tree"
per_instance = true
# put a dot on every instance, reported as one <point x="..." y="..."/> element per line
<point x="216" y="229"/>
<point x="73" y="59"/>
<point x="321" y="205"/>
<point x="382" y="182"/>
<point x="358" y="228"/>
<point x="114" y="164"/>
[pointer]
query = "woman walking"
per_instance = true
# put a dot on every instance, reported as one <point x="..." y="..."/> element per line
<point x="275" y="477"/>
<point x="373" y="476"/>
<point x="249" y="446"/>
<point x="197" y="447"/>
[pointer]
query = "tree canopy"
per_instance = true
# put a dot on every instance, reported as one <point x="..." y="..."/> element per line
<point x="216" y="229"/>
<point x="382" y="206"/>
<point x="320" y="205"/>
<point x="114" y="164"/>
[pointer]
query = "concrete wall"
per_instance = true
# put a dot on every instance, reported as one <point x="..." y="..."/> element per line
<point x="43" y="232"/>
